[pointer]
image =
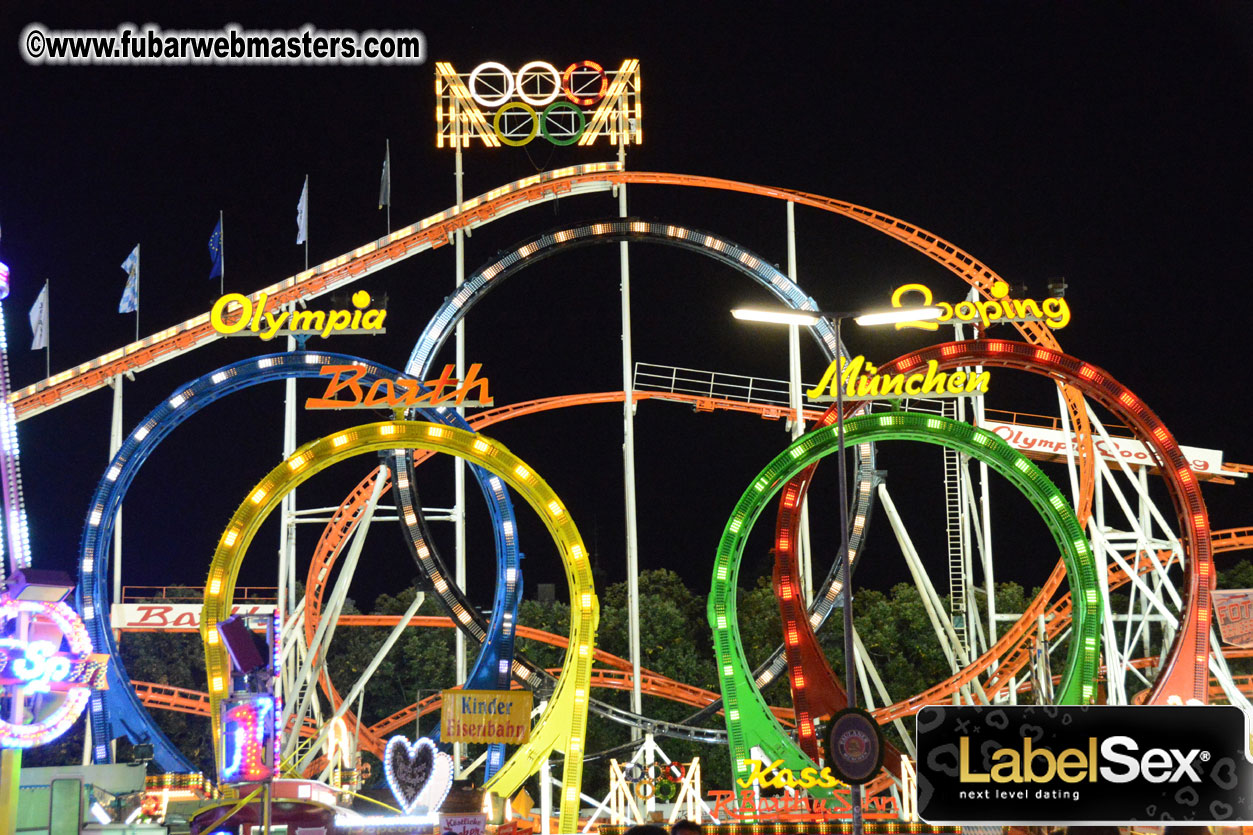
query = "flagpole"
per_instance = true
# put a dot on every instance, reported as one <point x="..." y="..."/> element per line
<point x="221" y="255"/>
<point x="137" y="266"/>
<point x="306" y="222"/>
<point x="47" y="330"/>
<point x="388" y="157"/>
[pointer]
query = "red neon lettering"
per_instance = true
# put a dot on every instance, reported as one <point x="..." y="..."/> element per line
<point x="154" y="615"/>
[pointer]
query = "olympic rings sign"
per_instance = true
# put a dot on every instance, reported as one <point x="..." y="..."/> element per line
<point x="654" y="780"/>
<point x="518" y="97"/>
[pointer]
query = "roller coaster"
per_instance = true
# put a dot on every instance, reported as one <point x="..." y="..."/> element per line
<point x="1167" y="567"/>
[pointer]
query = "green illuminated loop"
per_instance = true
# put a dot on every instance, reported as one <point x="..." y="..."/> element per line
<point x="574" y="134"/>
<point x="563" y="723"/>
<point x="749" y="720"/>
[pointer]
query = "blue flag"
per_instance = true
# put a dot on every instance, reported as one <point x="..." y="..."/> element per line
<point x="130" y="296"/>
<point x="215" y="250"/>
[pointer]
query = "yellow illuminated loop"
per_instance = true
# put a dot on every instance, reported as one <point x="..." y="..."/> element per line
<point x="563" y="723"/>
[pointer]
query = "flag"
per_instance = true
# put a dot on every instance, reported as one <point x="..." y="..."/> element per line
<point x="385" y="184"/>
<point x="130" y="296"/>
<point x="39" y="320"/>
<point x="215" y="250"/>
<point x="302" y="214"/>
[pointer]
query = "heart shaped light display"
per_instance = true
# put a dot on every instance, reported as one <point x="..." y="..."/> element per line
<point x="418" y="774"/>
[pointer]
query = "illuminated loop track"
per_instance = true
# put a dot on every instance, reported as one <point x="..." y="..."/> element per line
<point x="437" y="229"/>
<point x="1185" y="672"/>
<point x="563" y="722"/>
<point x="344" y="522"/>
<point x="564" y="239"/>
<point x="748" y="718"/>
<point x="118" y="711"/>
<point x="822" y="692"/>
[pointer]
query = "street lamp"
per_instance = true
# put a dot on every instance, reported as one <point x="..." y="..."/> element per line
<point x="803" y="317"/>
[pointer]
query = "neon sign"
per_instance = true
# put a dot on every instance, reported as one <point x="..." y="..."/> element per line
<point x="418" y="774"/>
<point x="798" y="808"/>
<point x="767" y="776"/>
<point x="1054" y="312"/>
<point x="860" y="381"/>
<point x="243" y="313"/>
<point x="41" y="666"/>
<point x="248" y="739"/>
<point x="401" y="393"/>
<point x="499" y="106"/>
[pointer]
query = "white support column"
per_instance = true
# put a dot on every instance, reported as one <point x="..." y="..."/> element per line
<point x="287" y="525"/>
<point x="628" y="460"/>
<point x="796" y="407"/>
<point x="546" y="796"/>
<point x="115" y="443"/>
<point x="459" y="465"/>
<point x="985" y="520"/>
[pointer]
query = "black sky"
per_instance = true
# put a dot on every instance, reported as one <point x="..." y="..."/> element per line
<point x="1107" y="143"/>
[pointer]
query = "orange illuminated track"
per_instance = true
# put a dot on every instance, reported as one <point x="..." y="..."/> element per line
<point x="438" y="229"/>
<point x="1185" y="675"/>
<point x="344" y="521"/>
<point x="195" y="702"/>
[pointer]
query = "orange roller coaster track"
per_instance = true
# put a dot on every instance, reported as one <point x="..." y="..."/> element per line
<point x="436" y="230"/>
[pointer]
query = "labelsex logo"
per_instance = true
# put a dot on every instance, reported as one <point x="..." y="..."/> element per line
<point x="1072" y="765"/>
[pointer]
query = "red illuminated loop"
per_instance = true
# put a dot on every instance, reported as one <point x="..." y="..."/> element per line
<point x="1185" y="674"/>
<point x="580" y="78"/>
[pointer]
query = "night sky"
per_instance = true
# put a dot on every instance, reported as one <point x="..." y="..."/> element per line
<point x="1106" y="143"/>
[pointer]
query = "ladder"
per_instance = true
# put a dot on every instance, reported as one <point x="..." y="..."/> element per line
<point x="956" y="536"/>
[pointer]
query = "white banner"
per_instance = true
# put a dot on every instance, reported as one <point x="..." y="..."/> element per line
<point x="1053" y="442"/>
<point x="184" y="617"/>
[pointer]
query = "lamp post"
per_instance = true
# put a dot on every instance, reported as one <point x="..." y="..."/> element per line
<point x="801" y="317"/>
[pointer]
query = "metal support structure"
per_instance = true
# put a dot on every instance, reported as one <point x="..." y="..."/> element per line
<point x="287" y="532"/>
<point x="870" y="676"/>
<point x="985" y="526"/>
<point x="305" y="691"/>
<point x="115" y="443"/>
<point x="546" y="796"/>
<point x="921" y="580"/>
<point x="850" y="665"/>
<point x="459" y="466"/>
<point x="358" y="687"/>
<point x="628" y="464"/>
<point x="796" y="408"/>
<point x="955" y="534"/>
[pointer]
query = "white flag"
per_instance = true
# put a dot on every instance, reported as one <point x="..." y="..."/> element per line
<point x="385" y="183"/>
<point x="302" y="214"/>
<point x="39" y="320"/>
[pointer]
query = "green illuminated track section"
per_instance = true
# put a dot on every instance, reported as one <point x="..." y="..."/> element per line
<point x="750" y="723"/>
<point x="563" y="724"/>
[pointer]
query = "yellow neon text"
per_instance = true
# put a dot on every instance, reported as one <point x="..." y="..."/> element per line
<point x="860" y="380"/>
<point x="266" y="325"/>
<point x="770" y="776"/>
<point x="1000" y="308"/>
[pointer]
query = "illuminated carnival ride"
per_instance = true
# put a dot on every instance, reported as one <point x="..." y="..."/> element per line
<point x="269" y="722"/>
